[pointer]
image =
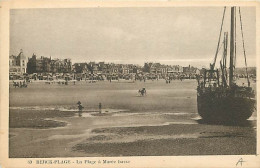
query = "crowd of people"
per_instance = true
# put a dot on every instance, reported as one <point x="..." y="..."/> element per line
<point x="20" y="84"/>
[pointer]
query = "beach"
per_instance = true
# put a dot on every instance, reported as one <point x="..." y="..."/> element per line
<point x="45" y="122"/>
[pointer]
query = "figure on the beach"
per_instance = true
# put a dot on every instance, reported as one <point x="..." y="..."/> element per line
<point x="142" y="91"/>
<point x="15" y="84"/>
<point x="100" y="107"/>
<point x="24" y="84"/>
<point x="80" y="107"/>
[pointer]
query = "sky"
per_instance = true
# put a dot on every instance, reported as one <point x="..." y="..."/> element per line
<point x="169" y="35"/>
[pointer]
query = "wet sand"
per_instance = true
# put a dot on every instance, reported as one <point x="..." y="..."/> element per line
<point x="165" y="122"/>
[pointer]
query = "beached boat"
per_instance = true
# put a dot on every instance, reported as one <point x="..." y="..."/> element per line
<point x="219" y="97"/>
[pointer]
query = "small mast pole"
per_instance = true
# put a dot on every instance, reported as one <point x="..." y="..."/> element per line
<point x="232" y="36"/>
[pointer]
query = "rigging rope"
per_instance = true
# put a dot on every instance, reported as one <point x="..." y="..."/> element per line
<point x="243" y="46"/>
<point x="219" y="38"/>
<point x="222" y="44"/>
<point x="235" y="49"/>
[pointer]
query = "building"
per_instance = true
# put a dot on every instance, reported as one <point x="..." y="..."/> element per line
<point x="48" y="65"/>
<point x="157" y="68"/>
<point x="191" y="70"/>
<point x="38" y="65"/>
<point x="60" y="66"/>
<point x="17" y="64"/>
<point x="174" y="69"/>
<point x="81" y="68"/>
<point x="124" y="69"/>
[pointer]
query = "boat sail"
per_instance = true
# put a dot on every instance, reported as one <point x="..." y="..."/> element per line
<point x="219" y="98"/>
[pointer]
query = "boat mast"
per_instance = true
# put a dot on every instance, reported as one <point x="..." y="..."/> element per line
<point x="232" y="44"/>
<point x="224" y="60"/>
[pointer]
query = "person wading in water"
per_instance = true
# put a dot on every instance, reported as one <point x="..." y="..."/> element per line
<point x="80" y="107"/>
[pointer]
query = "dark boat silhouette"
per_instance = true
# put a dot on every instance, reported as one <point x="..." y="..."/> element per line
<point x="219" y="98"/>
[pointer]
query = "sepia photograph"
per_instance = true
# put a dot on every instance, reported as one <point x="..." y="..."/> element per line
<point x="131" y="81"/>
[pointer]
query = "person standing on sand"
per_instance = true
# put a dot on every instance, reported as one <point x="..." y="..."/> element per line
<point x="80" y="107"/>
<point x="100" y="106"/>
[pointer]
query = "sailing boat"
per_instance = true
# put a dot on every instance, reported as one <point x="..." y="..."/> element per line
<point x="219" y="98"/>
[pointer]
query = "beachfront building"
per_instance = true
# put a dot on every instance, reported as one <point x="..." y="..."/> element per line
<point x="61" y="66"/>
<point x="48" y="65"/>
<point x="175" y="69"/>
<point x="190" y="72"/>
<point x="137" y="69"/>
<point x="17" y="64"/>
<point x="105" y="69"/>
<point x="157" y="70"/>
<point x="80" y="68"/>
<point x="108" y="70"/>
<point x="132" y="71"/>
<point x="40" y="65"/>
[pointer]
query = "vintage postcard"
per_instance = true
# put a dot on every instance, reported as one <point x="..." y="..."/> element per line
<point x="129" y="84"/>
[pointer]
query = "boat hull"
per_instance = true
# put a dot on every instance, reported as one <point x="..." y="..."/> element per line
<point x="230" y="108"/>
